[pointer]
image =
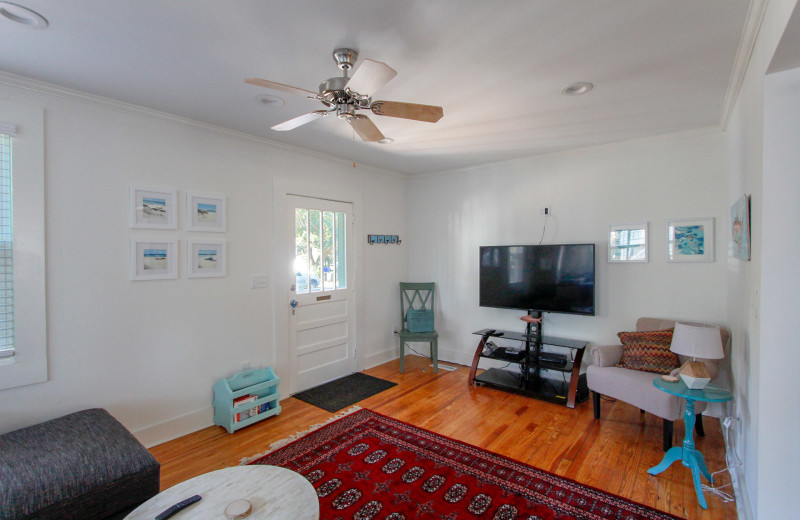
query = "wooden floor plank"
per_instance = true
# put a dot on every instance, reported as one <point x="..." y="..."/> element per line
<point x="612" y="453"/>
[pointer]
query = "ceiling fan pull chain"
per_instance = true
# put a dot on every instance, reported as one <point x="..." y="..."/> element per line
<point x="354" y="147"/>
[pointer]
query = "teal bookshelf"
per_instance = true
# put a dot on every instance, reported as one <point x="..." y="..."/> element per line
<point x="259" y="382"/>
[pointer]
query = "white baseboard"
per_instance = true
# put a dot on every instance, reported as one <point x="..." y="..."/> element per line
<point x="176" y="427"/>
<point x="379" y="358"/>
<point x="744" y="511"/>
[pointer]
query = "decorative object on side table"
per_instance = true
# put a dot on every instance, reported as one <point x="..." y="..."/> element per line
<point x="687" y="454"/>
<point x="696" y="340"/>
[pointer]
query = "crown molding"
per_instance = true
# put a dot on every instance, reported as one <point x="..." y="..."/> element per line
<point x="752" y="26"/>
<point x="50" y="89"/>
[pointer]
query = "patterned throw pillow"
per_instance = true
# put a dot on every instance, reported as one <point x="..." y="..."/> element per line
<point x="648" y="351"/>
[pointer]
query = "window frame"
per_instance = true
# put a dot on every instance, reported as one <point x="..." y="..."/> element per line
<point x="28" y="365"/>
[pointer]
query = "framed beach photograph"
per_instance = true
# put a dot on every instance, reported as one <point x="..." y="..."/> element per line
<point x="206" y="258"/>
<point x="153" y="208"/>
<point x="740" y="228"/>
<point x="154" y="259"/>
<point x="205" y="212"/>
<point x="690" y="240"/>
<point x="627" y="242"/>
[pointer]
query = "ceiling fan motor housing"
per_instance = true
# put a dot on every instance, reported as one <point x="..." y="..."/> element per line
<point x="345" y="58"/>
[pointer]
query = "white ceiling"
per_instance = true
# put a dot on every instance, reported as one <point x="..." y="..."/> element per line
<point x="496" y="67"/>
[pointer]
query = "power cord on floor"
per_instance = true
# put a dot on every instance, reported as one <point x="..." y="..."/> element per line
<point x="724" y="496"/>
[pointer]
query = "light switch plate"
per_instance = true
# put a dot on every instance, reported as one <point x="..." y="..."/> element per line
<point x="258" y="282"/>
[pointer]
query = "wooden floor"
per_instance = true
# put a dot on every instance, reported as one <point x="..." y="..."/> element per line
<point x="612" y="454"/>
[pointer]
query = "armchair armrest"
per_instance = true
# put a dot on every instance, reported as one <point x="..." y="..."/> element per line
<point x="606" y="355"/>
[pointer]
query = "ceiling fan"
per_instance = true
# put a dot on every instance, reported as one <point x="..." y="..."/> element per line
<point x="344" y="96"/>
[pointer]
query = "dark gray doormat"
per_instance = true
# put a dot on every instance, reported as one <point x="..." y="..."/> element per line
<point x="343" y="392"/>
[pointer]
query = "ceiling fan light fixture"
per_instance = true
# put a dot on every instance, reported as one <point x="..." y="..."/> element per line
<point x="578" y="88"/>
<point x="23" y="15"/>
<point x="386" y="140"/>
<point x="268" y="100"/>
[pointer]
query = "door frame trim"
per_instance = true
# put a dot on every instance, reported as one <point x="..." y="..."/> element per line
<point x="282" y="188"/>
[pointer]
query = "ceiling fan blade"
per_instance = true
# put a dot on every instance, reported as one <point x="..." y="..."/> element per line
<point x="281" y="87"/>
<point x="300" y="120"/>
<point x="365" y="128"/>
<point x="370" y="76"/>
<point x="427" y="113"/>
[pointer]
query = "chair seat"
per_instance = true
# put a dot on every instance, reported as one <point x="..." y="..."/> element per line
<point x="617" y="382"/>
<point x="421" y="335"/>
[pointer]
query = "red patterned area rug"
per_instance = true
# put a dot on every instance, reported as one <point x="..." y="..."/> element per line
<point x="367" y="466"/>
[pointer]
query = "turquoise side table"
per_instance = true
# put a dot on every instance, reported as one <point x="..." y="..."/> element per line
<point x="688" y="454"/>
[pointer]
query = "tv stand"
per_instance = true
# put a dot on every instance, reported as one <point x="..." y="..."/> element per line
<point x="530" y="381"/>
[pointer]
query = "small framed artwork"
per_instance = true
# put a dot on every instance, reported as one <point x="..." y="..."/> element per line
<point x="627" y="242"/>
<point x="206" y="258"/>
<point x="740" y="228"/>
<point x="690" y="240"/>
<point x="205" y="212"/>
<point x="154" y="259"/>
<point x="153" y="208"/>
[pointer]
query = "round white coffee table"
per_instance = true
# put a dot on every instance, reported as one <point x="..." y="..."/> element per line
<point x="275" y="493"/>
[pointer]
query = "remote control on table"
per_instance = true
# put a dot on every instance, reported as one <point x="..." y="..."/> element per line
<point x="171" y="510"/>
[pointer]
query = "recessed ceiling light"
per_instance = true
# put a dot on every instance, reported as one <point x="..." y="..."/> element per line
<point x="270" y="101"/>
<point x="386" y="140"/>
<point x="23" y="15"/>
<point x="576" y="89"/>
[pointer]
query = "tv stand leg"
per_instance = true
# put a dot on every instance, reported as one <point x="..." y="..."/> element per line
<point x="474" y="368"/>
<point x="573" y="380"/>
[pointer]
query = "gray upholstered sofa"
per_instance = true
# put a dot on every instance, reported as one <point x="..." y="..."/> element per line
<point x="85" y="465"/>
<point x="636" y="388"/>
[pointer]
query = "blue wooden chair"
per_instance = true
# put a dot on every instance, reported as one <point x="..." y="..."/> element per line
<point x="416" y="306"/>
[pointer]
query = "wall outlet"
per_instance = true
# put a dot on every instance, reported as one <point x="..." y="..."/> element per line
<point x="547" y="211"/>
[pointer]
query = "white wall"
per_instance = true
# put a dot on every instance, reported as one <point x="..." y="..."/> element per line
<point x="674" y="176"/>
<point x="763" y="400"/>
<point x="779" y="399"/>
<point x="149" y="352"/>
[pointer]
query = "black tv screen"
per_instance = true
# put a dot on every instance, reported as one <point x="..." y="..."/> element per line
<point x="544" y="278"/>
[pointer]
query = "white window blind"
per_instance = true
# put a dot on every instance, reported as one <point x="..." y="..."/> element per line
<point x="6" y="250"/>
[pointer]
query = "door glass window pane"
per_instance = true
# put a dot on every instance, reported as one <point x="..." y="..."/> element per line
<point x="301" y="250"/>
<point x="339" y="244"/>
<point x="315" y="250"/>
<point x="320" y="263"/>
<point x="328" y="267"/>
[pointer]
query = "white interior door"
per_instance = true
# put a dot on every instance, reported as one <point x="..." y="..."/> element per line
<point x="322" y="318"/>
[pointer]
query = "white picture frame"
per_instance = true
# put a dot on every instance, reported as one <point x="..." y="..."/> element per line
<point x="206" y="212"/>
<point x="153" y="259"/>
<point x="628" y="243"/>
<point x="153" y="208"/>
<point x="690" y="240"/>
<point x="206" y="258"/>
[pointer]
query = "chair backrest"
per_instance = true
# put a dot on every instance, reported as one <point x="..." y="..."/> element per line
<point x="415" y="296"/>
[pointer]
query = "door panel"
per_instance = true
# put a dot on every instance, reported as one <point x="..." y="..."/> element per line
<point x="322" y="321"/>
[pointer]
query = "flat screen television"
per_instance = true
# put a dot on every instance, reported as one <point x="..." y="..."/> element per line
<point x="543" y="278"/>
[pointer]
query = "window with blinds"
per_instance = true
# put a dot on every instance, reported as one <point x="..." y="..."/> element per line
<point x="6" y="256"/>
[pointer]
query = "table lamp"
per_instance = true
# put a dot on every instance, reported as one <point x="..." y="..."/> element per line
<point x="696" y="340"/>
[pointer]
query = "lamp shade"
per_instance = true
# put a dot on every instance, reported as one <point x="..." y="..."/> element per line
<point x="697" y="340"/>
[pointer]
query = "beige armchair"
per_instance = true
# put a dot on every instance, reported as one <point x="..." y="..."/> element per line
<point x="636" y="388"/>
